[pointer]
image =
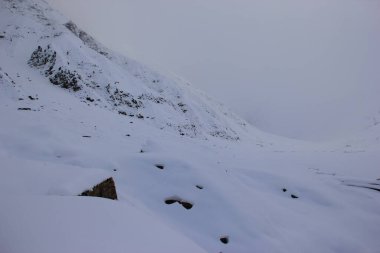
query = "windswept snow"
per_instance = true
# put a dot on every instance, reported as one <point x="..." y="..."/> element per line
<point x="188" y="172"/>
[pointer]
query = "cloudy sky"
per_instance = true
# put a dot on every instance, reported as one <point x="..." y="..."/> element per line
<point x="306" y="69"/>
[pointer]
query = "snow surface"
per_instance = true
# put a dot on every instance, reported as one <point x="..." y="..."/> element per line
<point x="266" y="193"/>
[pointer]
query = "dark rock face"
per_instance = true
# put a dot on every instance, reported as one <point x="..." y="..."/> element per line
<point x="66" y="79"/>
<point x="87" y="39"/>
<point x="45" y="60"/>
<point x="105" y="189"/>
<point x="43" y="57"/>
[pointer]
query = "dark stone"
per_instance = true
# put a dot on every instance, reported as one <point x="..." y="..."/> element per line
<point x="199" y="186"/>
<point x="294" y="196"/>
<point x="224" y="239"/>
<point x="105" y="189"/>
<point x="170" y="201"/>
<point x="284" y="189"/>
<point x="160" y="166"/>
<point x="186" y="205"/>
<point x="24" y="109"/>
<point x="86" y="136"/>
<point x="31" y="98"/>
<point x="90" y="99"/>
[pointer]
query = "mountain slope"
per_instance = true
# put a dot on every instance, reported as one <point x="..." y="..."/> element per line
<point x="188" y="173"/>
<point x="70" y="58"/>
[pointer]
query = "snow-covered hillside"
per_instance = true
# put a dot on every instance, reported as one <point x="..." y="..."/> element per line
<point x="190" y="175"/>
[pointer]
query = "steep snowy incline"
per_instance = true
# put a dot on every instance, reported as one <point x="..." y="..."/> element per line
<point x="66" y="106"/>
<point x="71" y="59"/>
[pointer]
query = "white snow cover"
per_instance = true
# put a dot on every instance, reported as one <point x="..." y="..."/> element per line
<point x="265" y="193"/>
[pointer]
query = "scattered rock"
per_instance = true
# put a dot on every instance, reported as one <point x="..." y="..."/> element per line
<point x="224" y="239"/>
<point x="86" y="136"/>
<point x="24" y="109"/>
<point x="90" y="99"/>
<point x="170" y="201"/>
<point x="32" y="98"/>
<point x="128" y="135"/>
<point x="66" y="79"/>
<point x="199" y="186"/>
<point x="160" y="166"/>
<point x="284" y="189"/>
<point x="187" y="205"/>
<point x="294" y="196"/>
<point x="105" y="189"/>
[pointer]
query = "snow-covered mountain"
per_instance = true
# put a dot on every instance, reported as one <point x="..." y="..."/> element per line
<point x="190" y="175"/>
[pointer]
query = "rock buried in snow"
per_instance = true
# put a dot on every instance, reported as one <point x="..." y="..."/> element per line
<point x="187" y="205"/>
<point x="294" y="196"/>
<point x="170" y="201"/>
<point x="224" y="239"/>
<point x="105" y="189"/>
<point x="160" y="166"/>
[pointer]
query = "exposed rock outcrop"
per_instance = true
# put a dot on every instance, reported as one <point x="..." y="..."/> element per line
<point x="105" y="189"/>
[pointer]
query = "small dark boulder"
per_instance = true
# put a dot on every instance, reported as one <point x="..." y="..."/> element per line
<point x="186" y="205"/>
<point x="224" y="239"/>
<point x="160" y="166"/>
<point x="294" y="196"/>
<point x="105" y="189"/>
<point x="170" y="201"/>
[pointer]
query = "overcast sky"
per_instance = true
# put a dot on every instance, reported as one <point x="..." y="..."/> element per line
<point x="301" y="68"/>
